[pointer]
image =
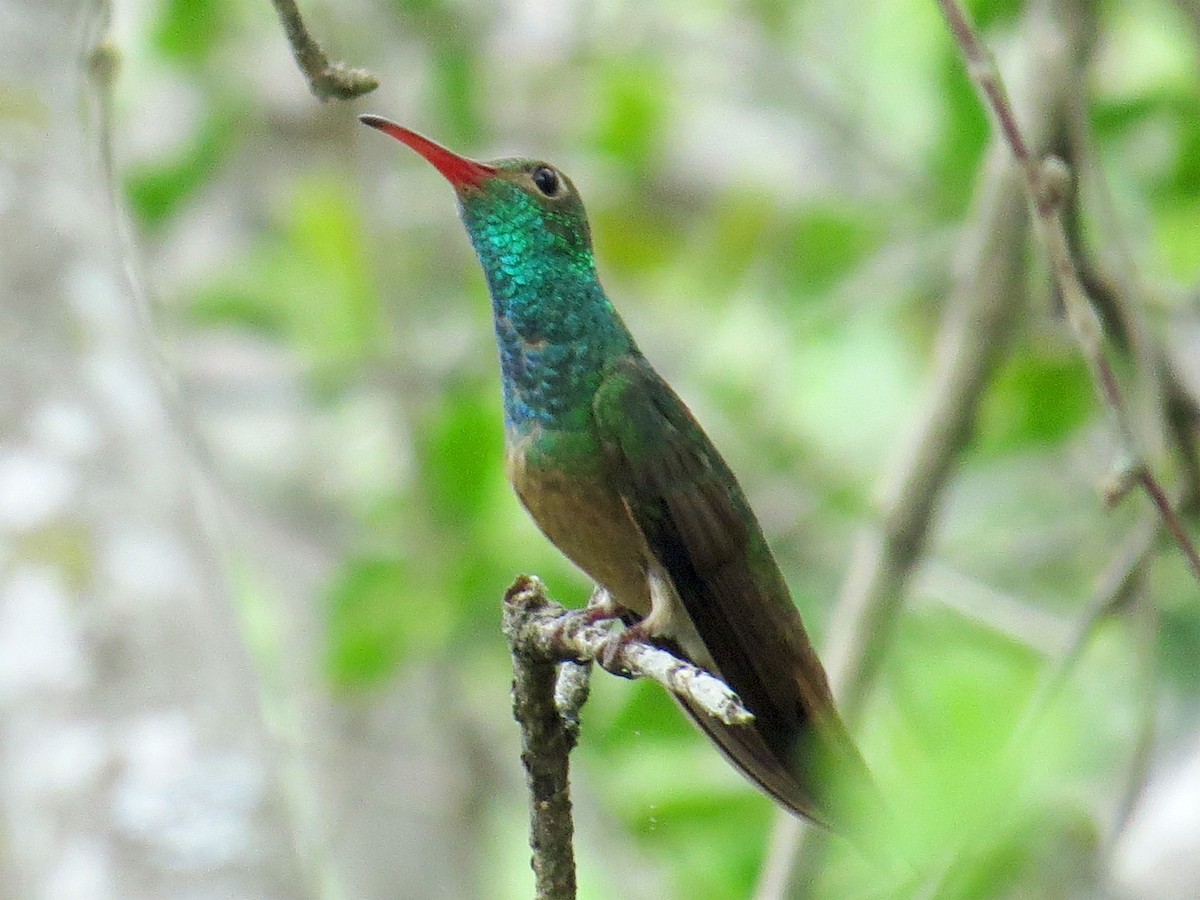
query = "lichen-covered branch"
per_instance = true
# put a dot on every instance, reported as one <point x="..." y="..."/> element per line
<point x="543" y="629"/>
<point x="546" y="742"/>
<point x="552" y="650"/>
<point x="326" y="79"/>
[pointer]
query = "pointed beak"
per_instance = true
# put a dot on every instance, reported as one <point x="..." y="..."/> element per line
<point x="458" y="170"/>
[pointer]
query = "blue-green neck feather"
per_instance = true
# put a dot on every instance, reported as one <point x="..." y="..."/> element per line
<point x="555" y="327"/>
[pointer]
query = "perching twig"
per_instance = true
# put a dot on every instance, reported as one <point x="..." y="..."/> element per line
<point x="552" y="649"/>
<point x="326" y="79"/>
<point x="546" y="743"/>
<point x="1048" y="184"/>
<point x="541" y="629"/>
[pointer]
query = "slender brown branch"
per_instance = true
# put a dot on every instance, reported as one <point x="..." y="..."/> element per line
<point x="1145" y="685"/>
<point x="326" y="79"/>
<point x="1048" y="185"/>
<point x="1113" y="591"/>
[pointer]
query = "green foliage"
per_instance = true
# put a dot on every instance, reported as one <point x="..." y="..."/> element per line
<point x="456" y="82"/>
<point x="990" y="13"/>
<point x="159" y="191"/>
<point x="631" y="112"/>
<point x="794" y="290"/>
<point x="375" y="621"/>
<point x="1036" y="399"/>
<point x="824" y="245"/>
<point x="306" y="282"/>
<point x="1177" y="230"/>
<point x="966" y="135"/>
<point x="633" y="240"/>
<point x="462" y="454"/>
<point x="190" y="29"/>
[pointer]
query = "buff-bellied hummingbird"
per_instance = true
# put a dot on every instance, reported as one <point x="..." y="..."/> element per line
<point x="617" y="473"/>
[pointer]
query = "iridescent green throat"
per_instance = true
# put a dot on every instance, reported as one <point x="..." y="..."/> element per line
<point x="555" y="327"/>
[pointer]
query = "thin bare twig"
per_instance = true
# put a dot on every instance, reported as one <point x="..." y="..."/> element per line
<point x="1115" y="287"/>
<point x="1048" y="184"/>
<point x="1113" y="592"/>
<point x="326" y="79"/>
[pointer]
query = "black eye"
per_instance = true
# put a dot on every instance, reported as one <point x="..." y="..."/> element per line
<point x="546" y="180"/>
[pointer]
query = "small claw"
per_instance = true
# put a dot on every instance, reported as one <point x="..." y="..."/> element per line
<point x="617" y="643"/>
<point x="601" y="607"/>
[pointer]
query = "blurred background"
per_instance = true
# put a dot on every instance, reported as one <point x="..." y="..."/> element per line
<point x="794" y="210"/>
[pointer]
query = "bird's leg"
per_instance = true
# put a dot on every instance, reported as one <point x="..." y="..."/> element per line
<point x="601" y="607"/>
<point x="650" y="627"/>
<point x="616" y="643"/>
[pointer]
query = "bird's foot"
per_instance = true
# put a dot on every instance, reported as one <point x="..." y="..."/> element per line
<point x="617" y="644"/>
<point x="602" y="607"/>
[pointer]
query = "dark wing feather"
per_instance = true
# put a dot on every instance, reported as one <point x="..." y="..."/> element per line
<point x="696" y="521"/>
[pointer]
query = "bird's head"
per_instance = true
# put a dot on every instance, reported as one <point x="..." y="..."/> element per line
<point x="520" y="213"/>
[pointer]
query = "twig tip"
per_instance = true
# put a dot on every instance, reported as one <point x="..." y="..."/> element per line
<point x="526" y="591"/>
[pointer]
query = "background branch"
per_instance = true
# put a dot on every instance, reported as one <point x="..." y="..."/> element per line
<point x="326" y="79"/>
<point x="976" y="333"/>
<point x="1048" y="185"/>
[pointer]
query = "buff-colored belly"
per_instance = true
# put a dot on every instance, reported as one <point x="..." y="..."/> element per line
<point x="589" y="523"/>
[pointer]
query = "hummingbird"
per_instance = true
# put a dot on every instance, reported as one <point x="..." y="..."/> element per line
<point x="618" y="474"/>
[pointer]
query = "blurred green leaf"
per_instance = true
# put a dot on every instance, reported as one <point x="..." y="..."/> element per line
<point x="456" y="83"/>
<point x="630" y="111"/>
<point x="378" y="614"/>
<point x="189" y="29"/>
<point x="966" y="135"/>
<point x="462" y="455"/>
<point x="1035" y="399"/>
<point x="824" y="244"/>
<point x="1186" y="176"/>
<point x="308" y="282"/>
<point x="1178" y="638"/>
<point x="158" y="191"/>
<point x="988" y="13"/>
<point x="634" y="240"/>
<point x="735" y="230"/>
<point x="1179" y="239"/>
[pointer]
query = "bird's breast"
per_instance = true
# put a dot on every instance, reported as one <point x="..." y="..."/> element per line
<point x="559" y="477"/>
